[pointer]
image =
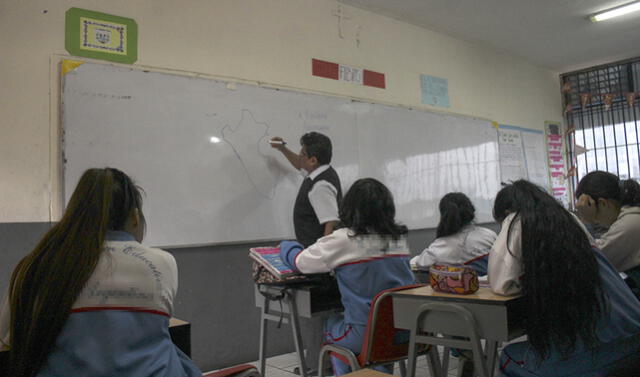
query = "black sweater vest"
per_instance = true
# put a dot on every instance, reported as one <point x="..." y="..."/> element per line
<point x="305" y="222"/>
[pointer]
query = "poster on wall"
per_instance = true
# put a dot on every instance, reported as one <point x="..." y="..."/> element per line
<point x="512" y="157"/>
<point x="522" y="155"/>
<point x="557" y="165"/>
<point x="434" y="91"/>
<point x="101" y="36"/>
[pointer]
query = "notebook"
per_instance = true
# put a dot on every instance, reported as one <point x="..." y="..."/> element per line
<point x="269" y="258"/>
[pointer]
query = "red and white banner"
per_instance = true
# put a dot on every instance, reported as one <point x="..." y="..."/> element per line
<point x="346" y="73"/>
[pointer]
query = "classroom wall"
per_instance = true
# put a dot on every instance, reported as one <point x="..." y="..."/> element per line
<point x="270" y="41"/>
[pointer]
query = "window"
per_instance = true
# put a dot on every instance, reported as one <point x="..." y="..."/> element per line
<point x="603" y="119"/>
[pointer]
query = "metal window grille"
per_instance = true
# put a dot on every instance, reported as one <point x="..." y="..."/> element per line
<point x="602" y="120"/>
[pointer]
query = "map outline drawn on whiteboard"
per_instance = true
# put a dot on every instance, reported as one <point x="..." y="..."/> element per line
<point x="270" y="193"/>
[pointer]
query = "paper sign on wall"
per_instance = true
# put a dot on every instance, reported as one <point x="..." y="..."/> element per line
<point x="522" y="155"/>
<point x="435" y="91"/>
<point x="557" y="166"/>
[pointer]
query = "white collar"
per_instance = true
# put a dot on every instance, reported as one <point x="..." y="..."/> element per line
<point x="319" y="170"/>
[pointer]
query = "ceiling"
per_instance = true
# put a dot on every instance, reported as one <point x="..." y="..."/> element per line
<point x="553" y="33"/>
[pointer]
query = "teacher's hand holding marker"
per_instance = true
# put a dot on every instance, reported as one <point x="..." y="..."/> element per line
<point x="294" y="158"/>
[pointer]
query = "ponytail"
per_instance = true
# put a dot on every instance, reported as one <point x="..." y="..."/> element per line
<point x="456" y="211"/>
<point x="629" y="193"/>
<point x="46" y="283"/>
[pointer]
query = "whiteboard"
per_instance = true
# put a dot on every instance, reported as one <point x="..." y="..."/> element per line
<point x="157" y="127"/>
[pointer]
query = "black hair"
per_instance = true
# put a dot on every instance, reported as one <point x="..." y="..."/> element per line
<point x="456" y="211"/>
<point x="561" y="283"/>
<point x="126" y="196"/>
<point x="317" y="145"/>
<point x="601" y="184"/>
<point x="368" y="208"/>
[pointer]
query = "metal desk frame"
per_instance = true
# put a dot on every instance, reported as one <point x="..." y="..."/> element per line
<point x="295" y="304"/>
<point x="495" y="319"/>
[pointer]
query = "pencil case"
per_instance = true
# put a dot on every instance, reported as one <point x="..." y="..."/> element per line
<point x="458" y="279"/>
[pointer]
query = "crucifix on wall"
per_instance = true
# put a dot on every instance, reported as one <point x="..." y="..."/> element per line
<point x="340" y="14"/>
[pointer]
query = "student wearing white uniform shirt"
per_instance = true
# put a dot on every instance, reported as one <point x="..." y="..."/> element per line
<point x="582" y="319"/>
<point x="606" y="200"/>
<point x="368" y="255"/>
<point x="458" y="240"/>
<point x="90" y="300"/>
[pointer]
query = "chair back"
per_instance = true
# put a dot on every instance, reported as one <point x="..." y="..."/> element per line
<point x="379" y="345"/>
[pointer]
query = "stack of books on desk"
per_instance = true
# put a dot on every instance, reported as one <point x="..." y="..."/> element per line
<point x="269" y="258"/>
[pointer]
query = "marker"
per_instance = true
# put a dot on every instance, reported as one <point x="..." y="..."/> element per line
<point x="278" y="142"/>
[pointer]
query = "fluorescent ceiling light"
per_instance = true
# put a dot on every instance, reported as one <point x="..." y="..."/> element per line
<point x="615" y="12"/>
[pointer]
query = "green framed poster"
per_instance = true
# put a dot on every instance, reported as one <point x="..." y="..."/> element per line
<point x="101" y="36"/>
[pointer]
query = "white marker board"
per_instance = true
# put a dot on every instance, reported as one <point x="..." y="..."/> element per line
<point x="157" y="127"/>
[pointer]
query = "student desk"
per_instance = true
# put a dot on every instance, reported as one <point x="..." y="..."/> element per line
<point x="180" y="332"/>
<point x="498" y="318"/>
<point x="366" y="373"/>
<point x="298" y="301"/>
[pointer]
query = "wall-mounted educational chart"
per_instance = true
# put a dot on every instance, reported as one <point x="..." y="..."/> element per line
<point x="198" y="147"/>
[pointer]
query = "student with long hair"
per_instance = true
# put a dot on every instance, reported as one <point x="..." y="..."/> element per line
<point x="606" y="200"/>
<point x="458" y="240"/>
<point x="582" y="319"/>
<point x="90" y="300"/>
<point x="368" y="254"/>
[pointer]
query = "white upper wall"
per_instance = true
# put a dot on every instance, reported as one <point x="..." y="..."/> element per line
<point x="271" y="41"/>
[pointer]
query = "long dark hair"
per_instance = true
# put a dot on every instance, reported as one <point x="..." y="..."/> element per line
<point x="601" y="184"/>
<point x="561" y="283"/>
<point x="456" y="211"/>
<point x="46" y="282"/>
<point x="368" y="208"/>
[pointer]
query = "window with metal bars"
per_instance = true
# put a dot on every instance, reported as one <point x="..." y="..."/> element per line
<point x="603" y="119"/>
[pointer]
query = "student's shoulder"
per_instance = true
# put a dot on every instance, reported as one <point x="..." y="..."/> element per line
<point x="341" y="235"/>
<point x="484" y="232"/>
<point x="149" y="255"/>
<point x="629" y="214"/>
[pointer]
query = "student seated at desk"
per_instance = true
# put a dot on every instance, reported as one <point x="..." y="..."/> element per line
<point x="458" y="240"/>
<point x="90" y="300"/>
<point x="368" y="255"/>
<point x="582" y="319"/>
<point x="605" y="200"/>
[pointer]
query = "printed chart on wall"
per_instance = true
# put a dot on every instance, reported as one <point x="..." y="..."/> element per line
<point x="522" y="155"/>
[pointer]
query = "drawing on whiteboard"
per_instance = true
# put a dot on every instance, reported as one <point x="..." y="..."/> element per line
<point x="314" y="120"/>
<point x="248" y="140"/>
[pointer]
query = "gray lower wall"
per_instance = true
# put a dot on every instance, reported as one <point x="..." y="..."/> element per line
<point x="215" y="294"/>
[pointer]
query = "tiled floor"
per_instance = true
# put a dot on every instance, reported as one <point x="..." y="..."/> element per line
<point x="283" y="365"/>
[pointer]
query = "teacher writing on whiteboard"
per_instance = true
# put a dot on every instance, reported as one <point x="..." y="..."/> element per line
<point x="315" y="212"/>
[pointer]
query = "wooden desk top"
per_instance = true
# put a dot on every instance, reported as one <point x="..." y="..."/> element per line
<point x="366" y="373"/>
<point x="483" y="295"/>
<point x="177" y="322"/>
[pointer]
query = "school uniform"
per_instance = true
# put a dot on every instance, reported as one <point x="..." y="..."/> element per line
<point x="618" y="330"/>
<point x="621" y="243"/>
<point x="119" y="324"/>
<point x="470" y="246"/>
<point x="364" y="266"/>
<point x="316" y="204"/>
